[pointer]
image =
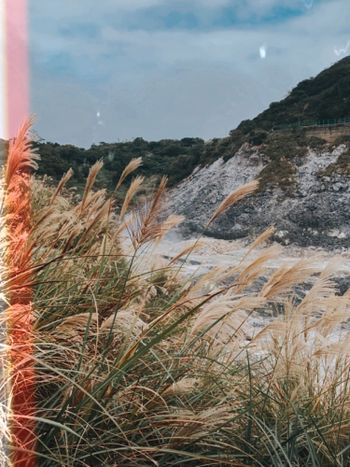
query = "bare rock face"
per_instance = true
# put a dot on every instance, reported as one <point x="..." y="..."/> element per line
<point x="315" y="212"/>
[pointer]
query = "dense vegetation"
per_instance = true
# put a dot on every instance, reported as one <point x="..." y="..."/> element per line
<point x="174" y="158"/>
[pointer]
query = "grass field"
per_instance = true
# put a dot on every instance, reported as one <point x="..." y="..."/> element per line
<point x="136" y="365"/>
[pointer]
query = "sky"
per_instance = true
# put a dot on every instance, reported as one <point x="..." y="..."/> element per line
<point x="114" y="70"/>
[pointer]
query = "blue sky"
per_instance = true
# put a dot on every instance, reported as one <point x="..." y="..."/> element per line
<point x="118" y="69"/>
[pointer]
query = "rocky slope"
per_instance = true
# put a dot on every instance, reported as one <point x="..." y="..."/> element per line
<point x="311" y="207"/>
<point x="299" y="149"/>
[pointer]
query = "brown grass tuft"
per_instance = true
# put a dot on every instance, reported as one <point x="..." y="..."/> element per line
<point x="233" y="198"/>
<point x="66" y="177"/>
<point x="133" y="165"/>
<point x="95" y="169"/>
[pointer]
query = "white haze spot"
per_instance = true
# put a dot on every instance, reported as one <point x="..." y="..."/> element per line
<point x="99" y="120"/>
<point x="262" y="51"/>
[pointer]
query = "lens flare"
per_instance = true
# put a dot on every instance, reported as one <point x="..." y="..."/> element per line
<point x="262" y="51"/>
<point x="17" y="401"/>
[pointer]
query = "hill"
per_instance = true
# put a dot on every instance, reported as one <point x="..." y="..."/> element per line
<point x="325" y="97"/>
<point x="304" y="180"/>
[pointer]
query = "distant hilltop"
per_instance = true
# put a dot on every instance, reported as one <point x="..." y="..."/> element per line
<point x="323" y="98"/>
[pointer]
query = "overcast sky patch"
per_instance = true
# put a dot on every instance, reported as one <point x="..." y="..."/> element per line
<point x="172" y="68"/>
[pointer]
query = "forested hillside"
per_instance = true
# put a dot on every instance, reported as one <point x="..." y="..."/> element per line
<point x="167" y="157"/>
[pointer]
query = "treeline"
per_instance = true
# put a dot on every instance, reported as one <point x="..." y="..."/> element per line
<point x="173" y="158"/>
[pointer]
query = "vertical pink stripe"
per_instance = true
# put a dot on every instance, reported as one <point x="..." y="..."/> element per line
<point x="17" y="75"/>
<point x="18" y="255"/>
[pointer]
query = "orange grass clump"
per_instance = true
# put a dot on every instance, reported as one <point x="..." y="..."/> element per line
<point x="17" y="204"/>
